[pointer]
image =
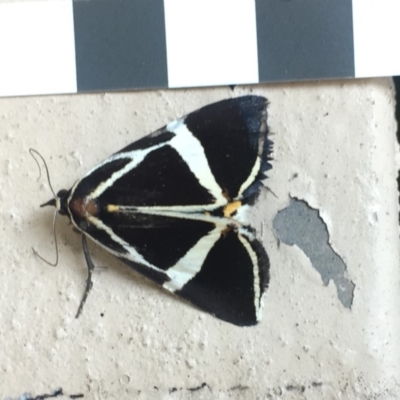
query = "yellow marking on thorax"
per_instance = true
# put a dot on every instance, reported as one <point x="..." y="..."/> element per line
<point x="230" y="208"/>
<point x="112" y="208"/>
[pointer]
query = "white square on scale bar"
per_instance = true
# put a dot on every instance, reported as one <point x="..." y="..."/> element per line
<point x="376" y="37"/>
<point x="37" y="48"/>
<point x="211" y="42"/>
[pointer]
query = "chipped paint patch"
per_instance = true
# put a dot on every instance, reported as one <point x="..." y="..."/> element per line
<point x="300" y="225"/>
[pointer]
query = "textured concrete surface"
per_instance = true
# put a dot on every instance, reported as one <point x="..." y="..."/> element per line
<point x="334" y="150"/>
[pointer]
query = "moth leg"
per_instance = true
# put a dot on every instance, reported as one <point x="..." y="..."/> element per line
<point x="90" y="266"/>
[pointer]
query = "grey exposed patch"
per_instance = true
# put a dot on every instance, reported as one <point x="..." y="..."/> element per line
<point x="299" y="224"/>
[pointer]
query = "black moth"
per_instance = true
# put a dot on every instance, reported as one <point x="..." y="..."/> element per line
<point x="173" y="204"/>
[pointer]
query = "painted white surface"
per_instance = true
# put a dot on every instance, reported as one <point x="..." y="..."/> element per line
<point x="337" y="137"/>
<point x="218" y="38"/>
<point x="37" y="49"/>
<point x="376" y="37"/>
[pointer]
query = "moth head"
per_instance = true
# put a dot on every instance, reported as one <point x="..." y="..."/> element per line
<point x="59" y="202"/>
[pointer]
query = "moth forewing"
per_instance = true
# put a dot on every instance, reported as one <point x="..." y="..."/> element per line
<point x="172" y="205"/>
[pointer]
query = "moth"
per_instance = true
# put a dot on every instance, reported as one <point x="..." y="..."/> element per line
<point x="173" y="206"/>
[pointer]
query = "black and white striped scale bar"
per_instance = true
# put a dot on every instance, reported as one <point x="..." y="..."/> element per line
<point x="65" y="46"/>
<point x="173" y="206"/>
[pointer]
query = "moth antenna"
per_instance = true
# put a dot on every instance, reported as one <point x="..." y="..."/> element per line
<point x="89" y="283"/>
<point x="55" y="242"/>
<point x="33" y="153"/>
<point x="270" y="190"/>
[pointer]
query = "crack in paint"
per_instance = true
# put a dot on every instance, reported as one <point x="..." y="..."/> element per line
<point x="56" y="393"/>
<point x="301" y="225"/>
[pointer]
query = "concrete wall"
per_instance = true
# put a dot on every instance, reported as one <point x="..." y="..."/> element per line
<point x="329" y="222"/>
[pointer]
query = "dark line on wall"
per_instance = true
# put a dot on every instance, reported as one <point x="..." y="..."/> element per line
<point x="396" y="80"/>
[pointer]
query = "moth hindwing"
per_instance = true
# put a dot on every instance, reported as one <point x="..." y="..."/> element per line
<point x="172" y="206"/>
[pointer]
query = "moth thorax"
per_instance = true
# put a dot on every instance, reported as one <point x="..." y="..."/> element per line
<point x="83" y="207"/>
